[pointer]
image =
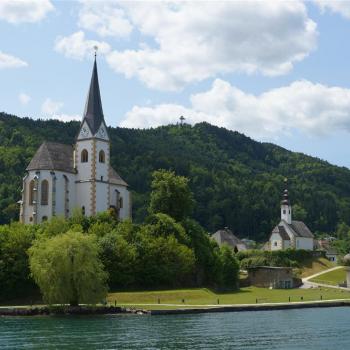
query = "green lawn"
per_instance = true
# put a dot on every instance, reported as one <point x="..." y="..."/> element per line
<point x="204" y="296"/>
<point x="332" y="278"/>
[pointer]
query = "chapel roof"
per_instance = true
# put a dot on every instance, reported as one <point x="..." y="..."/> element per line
<point x="53" y="156"/>
<point x="296" y="229"/>
<point x="93" y="113"/>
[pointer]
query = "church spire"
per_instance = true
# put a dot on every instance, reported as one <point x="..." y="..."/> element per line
<point x="93" y="113"/>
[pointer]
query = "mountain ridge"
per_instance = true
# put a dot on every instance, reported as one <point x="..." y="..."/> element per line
<point x="237" y="181"/>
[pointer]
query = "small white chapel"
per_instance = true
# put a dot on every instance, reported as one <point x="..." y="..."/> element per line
<point x="62" y="177"/>
<point x="290" y="233"/>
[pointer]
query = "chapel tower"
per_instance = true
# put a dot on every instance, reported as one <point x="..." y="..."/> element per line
<point x="286" y="208"/>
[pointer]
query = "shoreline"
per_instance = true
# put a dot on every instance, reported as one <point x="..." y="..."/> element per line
<point x="195" y="309"/>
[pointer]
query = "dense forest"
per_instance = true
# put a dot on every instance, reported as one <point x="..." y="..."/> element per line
<point x="236" y="181"/>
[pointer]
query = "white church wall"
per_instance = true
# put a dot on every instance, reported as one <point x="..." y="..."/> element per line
<point x="276" y="242"/>
<point x="101" y="197"/>
<point x="124" y="212"/>
<point x="102" y="169"/>
<point x="83" y="199"/>
<point x="84" y="169"/>
<point x="304" y="243"/>
<point x="61" y="195"/>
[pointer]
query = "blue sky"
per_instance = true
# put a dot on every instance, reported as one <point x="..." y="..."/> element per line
<point x="277" y="71"/>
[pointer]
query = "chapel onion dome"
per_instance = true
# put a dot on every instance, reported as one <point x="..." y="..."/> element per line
<point x="285" y="199"/>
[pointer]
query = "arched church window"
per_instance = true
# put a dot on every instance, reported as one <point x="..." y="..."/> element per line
<point x="121" y="202"/>
<point x="31" y="192"/>
<point x="84" y="156"/>
<point x="44" y="192"/>
<point x="101" y="156"/>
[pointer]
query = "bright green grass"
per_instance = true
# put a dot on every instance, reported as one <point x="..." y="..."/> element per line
<point x="207" y="297"/>
<point x="332" y="278"/>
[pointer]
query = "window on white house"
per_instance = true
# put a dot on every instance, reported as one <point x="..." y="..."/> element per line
<point x="275" y="244"/>
<point x="284" y="211"/>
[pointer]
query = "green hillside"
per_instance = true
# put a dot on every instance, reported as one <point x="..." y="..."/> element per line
<point x="237" y="182"/>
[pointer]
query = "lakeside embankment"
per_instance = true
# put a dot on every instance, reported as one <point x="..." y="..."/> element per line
<point x="170" y="309"/>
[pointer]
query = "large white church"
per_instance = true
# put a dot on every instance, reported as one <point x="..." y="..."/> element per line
<point x="62" y="177"/>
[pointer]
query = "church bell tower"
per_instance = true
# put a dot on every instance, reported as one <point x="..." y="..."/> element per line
<point x="92" y="154"/>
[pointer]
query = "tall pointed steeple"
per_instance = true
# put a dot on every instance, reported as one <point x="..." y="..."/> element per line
<point x="93" y="113"/>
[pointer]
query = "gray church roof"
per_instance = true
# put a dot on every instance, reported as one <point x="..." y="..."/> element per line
<point x="53" y="156"/>
<point x="59" y="157"/>
<point x="226" y="236"/>
<point x="282" y="232"/>
<point x="296" y="228"/>
<point x="93" y="113"/>
<point x="114" y="178"/>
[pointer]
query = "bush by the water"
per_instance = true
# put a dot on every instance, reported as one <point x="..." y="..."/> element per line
<point x="286" y="258"/>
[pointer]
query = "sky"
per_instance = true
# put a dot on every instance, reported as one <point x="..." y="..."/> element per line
<point x="277" y="71"/>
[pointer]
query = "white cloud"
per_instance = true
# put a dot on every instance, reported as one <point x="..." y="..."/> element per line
<point x="77" y="47"/>
<point x="303" y="105"/>
<point x="51" y="110"/>
<point x="105" y="18"/>
<point x="23" y="98"/>
<point x="8" y="61"/>
<point x="193" y="41"/>
<point x="19" y="11"/>
<point x="336" y="6"/>
<point x="50" y="107"/>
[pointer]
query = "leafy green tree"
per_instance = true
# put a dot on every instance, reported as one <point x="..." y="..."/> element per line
<point x="15" y="279"/>
<point x="204" y="252"/>
<point x="299" y="213"/>
<point x="163" y="261"/>
<point x="67" y="269"/>
<point x="163" y="225"/>
<point x="170" y="195"/>
<point x="119" y="259"/>
<point x="229" y="268"/>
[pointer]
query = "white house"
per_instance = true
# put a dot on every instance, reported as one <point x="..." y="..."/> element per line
<point x="290" y="233"/>
<point x="63" y="177"/>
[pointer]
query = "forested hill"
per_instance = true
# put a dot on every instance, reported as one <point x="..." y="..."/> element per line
<point x="237" y="182"/>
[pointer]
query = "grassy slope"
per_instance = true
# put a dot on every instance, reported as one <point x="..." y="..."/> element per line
<point x="332" y="278"/>
<point x="207" y="297"/>
<point x="315" y="266"/>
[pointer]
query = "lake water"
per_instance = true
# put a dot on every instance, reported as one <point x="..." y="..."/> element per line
<point x="289" y="329"/>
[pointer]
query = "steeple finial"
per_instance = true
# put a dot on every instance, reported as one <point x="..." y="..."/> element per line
<point x="95" y="53"/>
<point x="93" y="113"/>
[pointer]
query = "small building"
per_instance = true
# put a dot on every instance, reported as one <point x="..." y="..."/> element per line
<point x="290" y="233"/>
<point x="272" y="277"/>
<point x="226" y="236"/>
<point x="330" y="252"/>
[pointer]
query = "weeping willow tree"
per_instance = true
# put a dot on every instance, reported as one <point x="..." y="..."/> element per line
<point x="67" y="269"/>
